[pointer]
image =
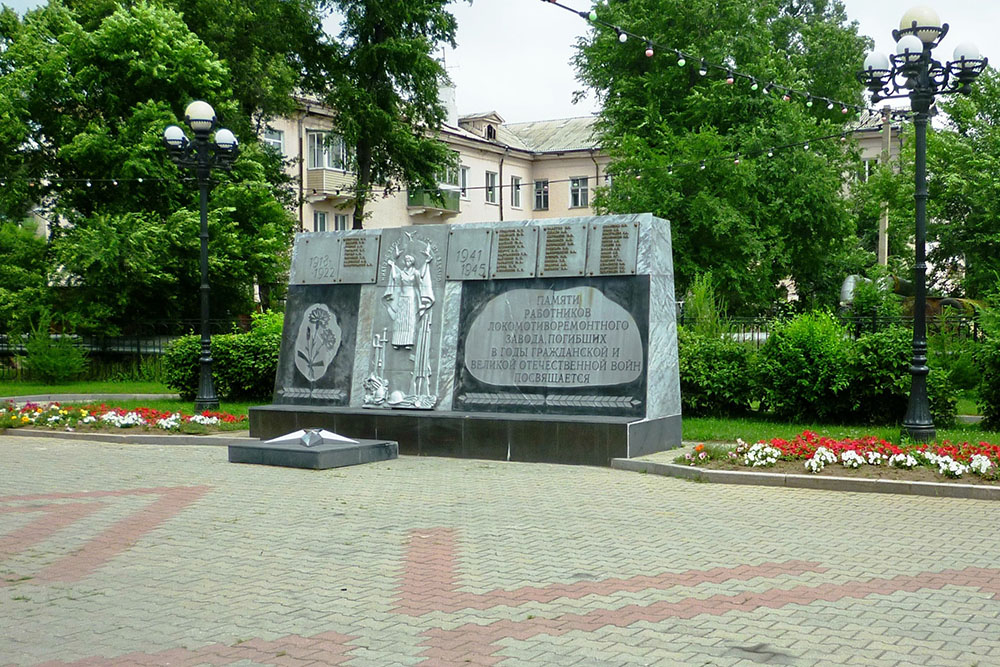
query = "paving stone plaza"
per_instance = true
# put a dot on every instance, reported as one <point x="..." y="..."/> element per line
<point x="157" y="555"/>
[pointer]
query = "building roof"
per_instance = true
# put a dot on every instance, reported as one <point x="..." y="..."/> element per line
<point x="549" y="136"/>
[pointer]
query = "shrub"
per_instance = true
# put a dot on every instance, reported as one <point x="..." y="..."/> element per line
<point x="803" y="369"/>
<point x="880" y="378"/>
<point x="180" y="365"/>
<point x="716" y="375"/>
<point x="250" y="360"/>
<point x="987" y="358"/>
<point x="942" y="396"/>
<point x="951" y="348"/>
<point x="52" y="359"/>
<point x="243" y="365"/>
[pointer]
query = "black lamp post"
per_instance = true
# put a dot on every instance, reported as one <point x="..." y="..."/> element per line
<point x="914" y="73"/>
<point x="201" y="155"/>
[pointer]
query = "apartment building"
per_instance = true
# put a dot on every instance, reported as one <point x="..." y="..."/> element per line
<point x="506" y="171"/>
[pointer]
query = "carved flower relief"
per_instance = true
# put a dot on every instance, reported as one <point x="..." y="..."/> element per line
<point x="317" y="343"/>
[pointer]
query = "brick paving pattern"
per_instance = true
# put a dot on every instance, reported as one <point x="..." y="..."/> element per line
<point x="144" y="555"/>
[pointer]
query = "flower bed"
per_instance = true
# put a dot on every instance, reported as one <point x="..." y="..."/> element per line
<point x="71" y="417"/>
<point x="811" y="453"/>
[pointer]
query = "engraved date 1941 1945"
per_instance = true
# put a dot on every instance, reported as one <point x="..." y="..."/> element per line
<point x="472" y="262"/>
<point x="322" y="267"/>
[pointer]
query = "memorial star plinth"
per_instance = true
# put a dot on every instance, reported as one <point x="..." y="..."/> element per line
<point x="546" y="340"/>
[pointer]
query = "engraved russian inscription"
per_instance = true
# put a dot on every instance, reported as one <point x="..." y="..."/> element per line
<point x="562" y="250"/>
<point x="514" y="252"/>
<point x="510" y="250"/>
<point x="613" y="249"/>
<point x="354" y="253"/>
<point x="359" y="258"/>
<point x="543" y="338"/>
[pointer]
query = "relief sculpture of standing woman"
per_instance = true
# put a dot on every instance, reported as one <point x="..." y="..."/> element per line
<point x="407" y="297"/>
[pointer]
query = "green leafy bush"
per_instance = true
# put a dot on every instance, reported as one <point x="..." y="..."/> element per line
<point x="243" y="365"/>
<point x="715" y="372"/>
<point x="51" y="358"/>
<point x="180" y="365"/>
<point x="249" y="362"/>
<point x="942" y="396"/>
<point x="880" y="379"/>
<point x="803" y="369"/>
<point x="987" y="358"/>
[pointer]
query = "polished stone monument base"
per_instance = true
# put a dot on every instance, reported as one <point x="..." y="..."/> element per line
<point x="318" y="457"/>
<point x="503" y="437"/>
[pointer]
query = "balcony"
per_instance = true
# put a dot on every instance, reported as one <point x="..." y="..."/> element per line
<point x="442" y="203"/>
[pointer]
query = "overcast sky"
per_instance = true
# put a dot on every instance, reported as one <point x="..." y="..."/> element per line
<point x="513" y="55"/>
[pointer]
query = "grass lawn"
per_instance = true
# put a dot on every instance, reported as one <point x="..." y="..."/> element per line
<point x="16" y="388"/>
<point x="751" y="429"/>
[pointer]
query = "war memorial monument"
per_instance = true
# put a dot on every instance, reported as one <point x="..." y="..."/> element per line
<point x="544" y="340"/>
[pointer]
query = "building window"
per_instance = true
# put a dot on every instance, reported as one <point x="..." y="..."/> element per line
<point x="491" y="132"/>
<point x="491" y="187"/>
<point x="578" y="195"/>
<point x="326" y="151"/>
<point x="542" y="195"/>
<point x="319" y="221"/>
<point x="340" y="222"/>
<point x="275" y="139"/>
<point x="463" y="181"/>
<point x="867" y="169"/>
<point x="515" y="191"/>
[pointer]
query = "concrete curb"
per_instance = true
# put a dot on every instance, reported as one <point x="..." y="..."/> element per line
<point x="969" y="491"/>
<point x="215" y="439"/>
<point x="77" y="398"/>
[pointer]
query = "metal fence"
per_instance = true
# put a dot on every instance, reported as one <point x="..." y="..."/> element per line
<point x="135" y="352"/>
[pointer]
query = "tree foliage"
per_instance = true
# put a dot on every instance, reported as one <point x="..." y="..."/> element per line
<point x="386" y="92"/>
<point x="752" y="221"/>
<point x="85" y="97"/>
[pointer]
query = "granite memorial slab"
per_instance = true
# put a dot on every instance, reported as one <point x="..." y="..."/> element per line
<point x="315" y="449"/>
<point x="317" y="345"/>
<point x="537" y="332"/>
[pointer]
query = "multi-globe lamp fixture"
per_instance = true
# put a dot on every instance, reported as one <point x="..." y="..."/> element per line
<point x="201" y="155"/>
<point x="912" y="72"/>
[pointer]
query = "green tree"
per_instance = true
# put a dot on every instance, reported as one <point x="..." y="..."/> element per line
<point x="272" y="49"/>
<point x="23" y="292"/>
<point x="755" y="220"/>
<point x="98" y="94"/>
<point x="964" y="213"/>
<point x="385" y="90"/>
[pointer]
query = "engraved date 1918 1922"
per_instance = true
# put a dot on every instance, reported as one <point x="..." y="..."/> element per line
<point x="322" y="267"/>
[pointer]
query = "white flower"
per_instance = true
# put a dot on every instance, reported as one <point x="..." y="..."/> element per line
<point x="980" y="464"/>
<point x="207" y="421"/>
<point x="903" y="461"/>
<point x="123" y="421"/>
<point x="875" y="458"/>
<point x="760" y="454"/>
<point x="169" y="423"/>
<point x="820" y="459"/>
<point x="851" y="459"/>
<point x="89" y="419"/>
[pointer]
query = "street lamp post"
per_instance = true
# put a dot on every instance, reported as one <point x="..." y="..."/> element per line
<point x="201" y="155"/>
<point x="912" y="72"/>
